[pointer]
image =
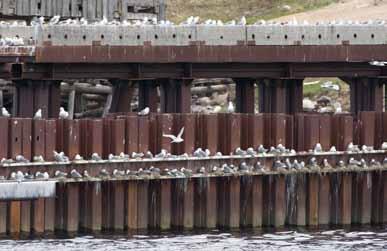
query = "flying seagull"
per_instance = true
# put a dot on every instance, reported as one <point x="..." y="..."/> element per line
<point x="175" y="139"/>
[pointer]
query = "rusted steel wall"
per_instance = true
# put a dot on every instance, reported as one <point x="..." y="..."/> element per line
<point x="223" y="132"/>
<point x="304" y="198"/>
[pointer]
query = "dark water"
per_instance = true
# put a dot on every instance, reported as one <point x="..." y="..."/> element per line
<point x="339" y="239"/>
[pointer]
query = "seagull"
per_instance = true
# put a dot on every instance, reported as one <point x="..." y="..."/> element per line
<point x="75" y="174"/>
<point x="78" y="157"/>
<point x="226" y="169"/>
<point x="118" y="173"/>
<point x="86" y="174"/>
<point x="18" y="176"/>
<point x="243" y="21"/>
<point x="104" y="173"/>
<point x="163" y="154"/>
<point x="186" y="172"/>
<point x="318" y="148"/>
<point x="155" y="171"/>
<point x="230" y="108"/>
<point x="297" y="165"/>
<point x="144" y="112"/>
<point x="243" y="167"/>
<point x="333" y="149"/>
<point x="43" y="176"/>
<point x="261" y="149"/>
<point x="54" y="20"/>
<point x="96" y="157"/>
<point x="218" y="154"/>
<point x="326" y="164"/>
<point x="38" y="158"/>
<point x="28" y="176"/>
<point x="5" y="113"/>
<point x="250" y="151"/>
<point x="63" y="114"/>
<point x="202" y="170"/>
<point x="60" y="174"/>
<point x="137" y="155"/>
<point x="60" y="157"/>
<point x="240" y="152"/>
<point x="41" y="20"/>
<point x="175" y="139"/>
<point x="38" y="114"/>
<point x="378" y="63"/>
<point x="126" y="156"/>
<point x="375" y="163"/>
<point x="258" y="167"/>
<point x="83" y="21"/>
<point x="148" y="155"/>
<point x="21" y="159"/>
<point x="384" y="146"/>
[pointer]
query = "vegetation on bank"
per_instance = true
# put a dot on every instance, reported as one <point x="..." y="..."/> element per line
<point x="253" y="10"/>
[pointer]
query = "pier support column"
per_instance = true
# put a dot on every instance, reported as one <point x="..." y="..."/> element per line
<point x="366" y="94"/>
<point x="147" y="95"/>
<point x="175" y="95"/>
<point x="32" y="95"/>
<point x="280" y="95"/>
<point x="122" y="95"/>
<point x="245" y="95"/>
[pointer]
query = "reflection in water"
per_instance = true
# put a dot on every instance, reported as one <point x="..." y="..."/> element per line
<point x="353" y="239"/>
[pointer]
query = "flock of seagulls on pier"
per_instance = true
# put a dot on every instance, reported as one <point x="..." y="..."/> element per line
<point x="284" y="161"/>
<point x="63" y="114"/>
<point x="190" y="21"/>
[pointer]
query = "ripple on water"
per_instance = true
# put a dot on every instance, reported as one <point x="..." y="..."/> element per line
<point x="338" y="239"/>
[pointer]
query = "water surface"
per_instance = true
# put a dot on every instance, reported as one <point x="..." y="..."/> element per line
<point x="338" y="239"/>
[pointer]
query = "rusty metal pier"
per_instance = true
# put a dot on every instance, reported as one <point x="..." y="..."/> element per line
<point x="119" y="173"/>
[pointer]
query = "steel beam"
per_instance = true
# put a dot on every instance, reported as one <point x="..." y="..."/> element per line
<point x="147" y="95"/>
<point x="245" y="95"/>
<point x="366" y="94"/>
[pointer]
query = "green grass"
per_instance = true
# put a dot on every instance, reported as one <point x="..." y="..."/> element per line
<point x="313" y="90"/>
<point x="296" y="7"/>
<point x="253" y="10"/>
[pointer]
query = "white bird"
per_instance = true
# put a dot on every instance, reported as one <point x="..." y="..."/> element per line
<point x="175" y="139"/>
<point x="333" y="149"/>
<point x="230" y="107"/>
<point x="21" y="159"/>
<point x="78" y="157"/>
<point x="4" y="112"/>
<point x="83" y="21"/>
<point x="60" y="174"/>
<point x="62" y="113"/>
<point x="54" y="20"/>
<point x="243" y="21"/>
<point x="18" y="176"/>
<point x="96" y="157"/>
<point x="318" y="148"/>
<point x="43" y="176"/>
<point x="38" y="158"/>
<point x="75" y="174"/>
<point x="144" y="112"/>
<point x="38" y="114"/>
<point x="384" y="146"/>
<point x="41" y="20"/>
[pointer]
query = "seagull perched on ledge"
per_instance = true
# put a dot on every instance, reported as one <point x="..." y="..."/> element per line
<point x="175" y="139"/>
<point x="144" y="112"/>
<point x="4" y="112"/>
<point x="38" y="114"/>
